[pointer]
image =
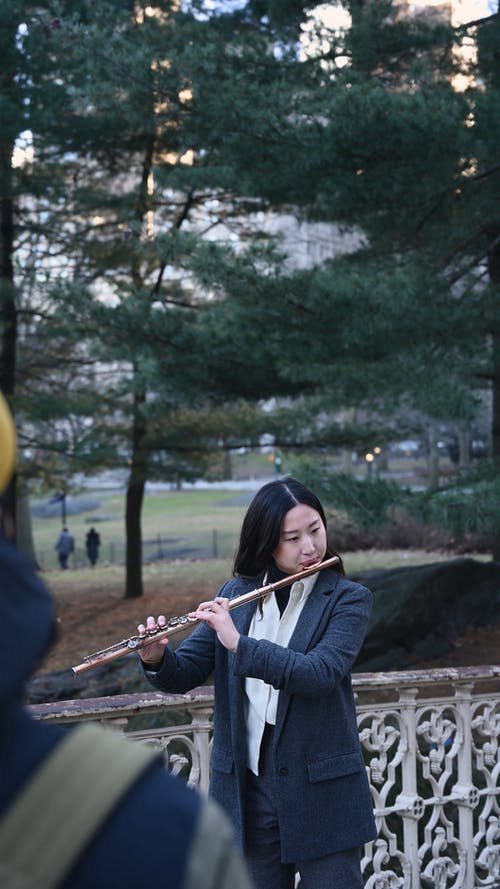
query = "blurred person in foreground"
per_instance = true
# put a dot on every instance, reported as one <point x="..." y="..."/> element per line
<point x="112" y="816"/>
<point x="286" y="758"/>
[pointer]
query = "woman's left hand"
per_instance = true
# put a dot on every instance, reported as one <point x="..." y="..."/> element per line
<point x="216" y="614"/>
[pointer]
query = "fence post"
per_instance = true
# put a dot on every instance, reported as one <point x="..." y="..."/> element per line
<point x="467" y="793"/>
<point x="408" y="801"/>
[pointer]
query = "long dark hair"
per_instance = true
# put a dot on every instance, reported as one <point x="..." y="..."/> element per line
<point x="260" y="532"/>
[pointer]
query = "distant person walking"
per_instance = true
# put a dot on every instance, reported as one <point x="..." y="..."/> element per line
<point x="92" y="544"/>
<point x="64" y="547"/>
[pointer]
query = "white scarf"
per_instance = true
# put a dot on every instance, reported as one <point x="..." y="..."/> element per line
<point x="262" y="699"/>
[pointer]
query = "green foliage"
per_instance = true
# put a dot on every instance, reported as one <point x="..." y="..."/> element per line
<point x="370" y="502"/>
<point x="471" y="506"/>
<point x="141" y="343"/>
<point x="344" y="143"/>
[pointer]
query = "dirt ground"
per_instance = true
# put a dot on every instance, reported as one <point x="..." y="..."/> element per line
<point x="89" y="621"/>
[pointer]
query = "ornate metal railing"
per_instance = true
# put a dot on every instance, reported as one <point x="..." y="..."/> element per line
<point x="431" y="746"/>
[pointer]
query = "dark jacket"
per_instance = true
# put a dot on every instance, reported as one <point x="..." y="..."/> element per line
<point x="158" y="831"/>
<point x="322" y="788"/>
<point x="92" y="542"/>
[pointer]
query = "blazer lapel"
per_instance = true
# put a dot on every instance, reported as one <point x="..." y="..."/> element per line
<point x="312" y="612"/>
<point x="307" y="625"/>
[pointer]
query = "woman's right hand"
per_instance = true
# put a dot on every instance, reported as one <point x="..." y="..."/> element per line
<point x="152" y="655"/>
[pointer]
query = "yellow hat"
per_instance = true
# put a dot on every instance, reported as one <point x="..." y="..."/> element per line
<point x="8" y="444"/>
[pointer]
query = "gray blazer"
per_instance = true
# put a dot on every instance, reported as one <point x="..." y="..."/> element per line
<point x="322" y="789"/>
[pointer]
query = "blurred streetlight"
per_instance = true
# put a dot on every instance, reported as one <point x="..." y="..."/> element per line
<point x="369" y="457"/>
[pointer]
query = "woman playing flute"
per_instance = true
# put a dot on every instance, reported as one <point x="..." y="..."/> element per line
<point x="286" y="759"/>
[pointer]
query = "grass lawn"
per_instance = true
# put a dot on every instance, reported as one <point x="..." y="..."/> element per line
<point x="173" y="520"/>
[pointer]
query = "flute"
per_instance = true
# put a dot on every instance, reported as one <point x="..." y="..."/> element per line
<point x="177" y="624"/>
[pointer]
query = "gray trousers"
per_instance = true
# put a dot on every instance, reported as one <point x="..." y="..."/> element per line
<point x="340" y="870"/>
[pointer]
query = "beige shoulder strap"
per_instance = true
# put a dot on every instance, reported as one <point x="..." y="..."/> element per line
<point x="64" y="804"/>
<point x="214" y="862"/>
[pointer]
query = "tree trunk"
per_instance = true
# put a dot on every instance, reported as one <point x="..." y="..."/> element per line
<point x="24" y="535"/>
<point x="432" y="459"/>
<point x="494" y="273"/>
<point x="135" y="496"/>
<point x="228" y="465"/>
<point x="496" y="428"/>
<point x="8" y="315"/>
<point x="463" y="438"/>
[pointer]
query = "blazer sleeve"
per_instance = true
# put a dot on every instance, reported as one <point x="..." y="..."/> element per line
<point x="328" y="659"/>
